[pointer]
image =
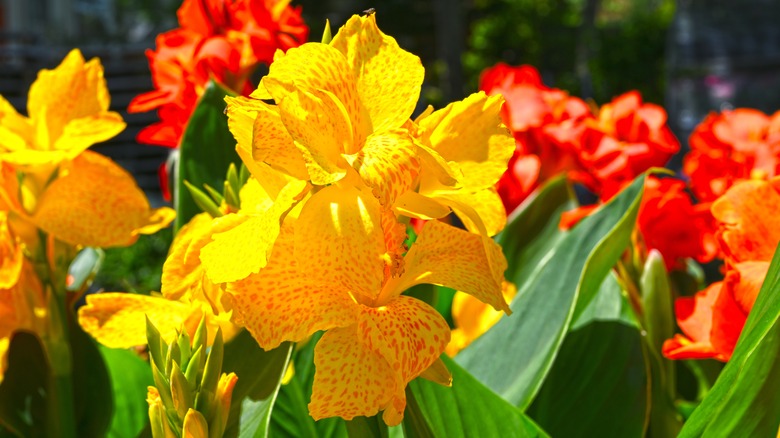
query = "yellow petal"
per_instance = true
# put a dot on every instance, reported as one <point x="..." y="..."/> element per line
<point x="408" y="333"/>
<point x="242" y="242"/>
<point x="320" y="127"/>
<point x="71" y="91"/>
<point x="470" y="132"/>
<point x="11" y="256"/>
<point x="350" y="379"/>
<point x="339" y="239"/>
<point x="473" y="318"/>
<point x="16" y="130"/>
<point x="486" y="207"/>
<point x="387" y="163"/>
<point x="258" y="129"/>
<point x="319" y="67"/>
<point x="388" y="77"/>
<point x="118" y="320"/>
<point x="97" y="203"/>
<point x="413" y="204"/>
<point x="80" y="134"/>
<point x="455" y="258"/>
<point x="438" y="372"/>
<point x="282" y="303"/>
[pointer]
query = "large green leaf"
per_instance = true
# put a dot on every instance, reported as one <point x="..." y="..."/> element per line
<point x="514" y="357"/>
<point x="290" y="417"/>
<point x="744" y="400"/>
<point x="468" y="409"/>
<point x="207" y="149"/>
<point x="130" y="376"/>
<point x="24" y="388"/>
<point x="93" y="402"/>
<point x="598" y="385"/>
<point x="259" y="376"/>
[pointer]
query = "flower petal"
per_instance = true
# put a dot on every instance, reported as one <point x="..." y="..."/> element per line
<point x="486" y="204"/>
<point x="339" y="239"/>
<point x="16" y="130"/>
<point x="73" y="90"/>
<point x="243" y="243"/>
<point x="97" y="204"/>
<point x="319" y="67"/>
<point x="80" y="134"/>
<point x="387" y="163"/>
<point x="118" y="320"/>
<point x="350" y="379"/>
<point x="11" y="255"/>
<point x="282" y="303"/>
<point x="470" y="132"/>
<point x="455" y="258"/>
<point x="320" y="127"/>
<point x="388" y="77"/>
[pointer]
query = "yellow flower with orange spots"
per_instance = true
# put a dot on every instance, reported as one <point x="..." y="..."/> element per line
<point x="49" y="180"/>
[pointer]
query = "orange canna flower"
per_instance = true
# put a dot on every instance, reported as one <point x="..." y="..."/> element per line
<point x="740" y="144"/>
<point x="713" y="320"/>
<point x="219" y="39"/>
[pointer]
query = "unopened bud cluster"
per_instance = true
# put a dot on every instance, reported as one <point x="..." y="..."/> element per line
<point x="190" y="397"/>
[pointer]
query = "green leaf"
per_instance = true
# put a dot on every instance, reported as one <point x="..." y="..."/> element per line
<point x="744" y="400"/>
<point x="25" y="387"/>
<point x="367" y="427"/>
<point x="609" y="304"/>
<point x="597" y="386"/>
<point x="207" y="149"/>
<point x="93" y="401"/>
<point x="290" y="417"/>
<point x="130" y="376"/>
<point x="259" y="375"/>
<point x="467" y="409"/>
<point x="514" y="357"/>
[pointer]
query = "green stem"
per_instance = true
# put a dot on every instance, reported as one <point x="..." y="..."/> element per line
<point x="61" y="414"/>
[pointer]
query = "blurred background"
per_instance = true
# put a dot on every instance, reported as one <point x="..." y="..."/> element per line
<point x="691" y="56"/>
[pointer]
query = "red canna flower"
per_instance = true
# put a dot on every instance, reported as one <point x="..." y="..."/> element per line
<point x="627" y="138"/>
<point x="747" y="235"/>
<point x="220" y="39"/>
<point x="730" y="146"/>
<point x="541" y="120"/>
<point x="672" y="224"/>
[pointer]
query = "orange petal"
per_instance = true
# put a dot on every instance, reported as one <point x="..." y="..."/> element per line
<point x="350" y="379"/>
<point x="319" y="67"/>
<point x="11" y="256"/>
<point x="118" y="320"/>
<point x="80" y="134"/>
<point x="16" y="130"/>
<point x="455" y="258"/>
<point x="387" y="163"/>
<point x="97" y="203"/>
<point x="388" y="77"/>
<point x="749" y="213"/>
<point x="282" y="303"/>
<point x="339" y="239"/>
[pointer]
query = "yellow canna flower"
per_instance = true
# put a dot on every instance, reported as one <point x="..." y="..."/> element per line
<point x="341" y="266"/>
<point x="67" y="112"/>
<point x="473" y="318"/>
<point x="50" y="181"/>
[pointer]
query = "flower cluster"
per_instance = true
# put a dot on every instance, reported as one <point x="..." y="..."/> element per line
<point x="220" y="40"/>
<point x="55" y="195"/>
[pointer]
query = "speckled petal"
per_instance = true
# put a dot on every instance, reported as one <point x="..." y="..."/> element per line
<point x="182" y="274"/>
<point x="242" y="242"/>
<point x="282" y="303"/>
<point x="388" y="164"/>
<point x="313" y="67"/>
<point x="118" y="320"/>
<point x="320" y="127"/>
<point x="413" y="204"/>
<point x="470" y="132"/>
<point x="82" y="133"/>
<point x="448" y="256"/>
<point x="350" y="379"/>
<point x="97" y="204"/>
<point x="339" y="238"/>
<point x="486" y="204"/>
<point x="408" y="333"/>
<point x="388" y="77"/>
